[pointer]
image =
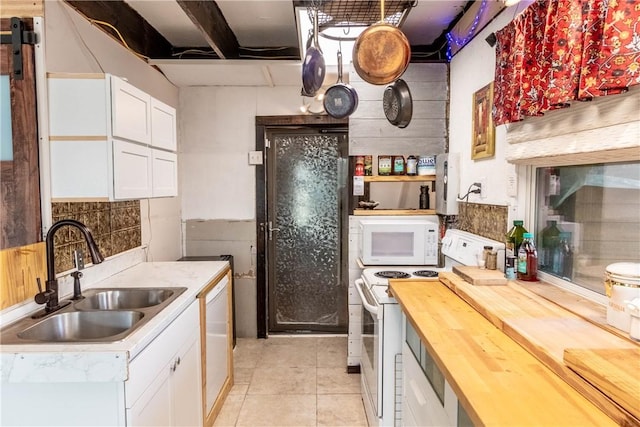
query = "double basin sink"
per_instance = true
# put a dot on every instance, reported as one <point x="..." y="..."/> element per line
<point x="104" y="315"/>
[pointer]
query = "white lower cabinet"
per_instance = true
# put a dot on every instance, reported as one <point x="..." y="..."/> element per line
<point x="427" y="397"/>
<point x="165" y="385"/>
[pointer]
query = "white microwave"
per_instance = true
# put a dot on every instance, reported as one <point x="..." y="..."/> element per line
<point x="398" y="242"/>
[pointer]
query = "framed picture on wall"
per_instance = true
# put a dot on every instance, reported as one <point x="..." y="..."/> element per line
<point x="483" y="131"/>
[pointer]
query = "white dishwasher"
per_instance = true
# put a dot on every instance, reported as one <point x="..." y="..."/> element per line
<point x="214" y="317"/>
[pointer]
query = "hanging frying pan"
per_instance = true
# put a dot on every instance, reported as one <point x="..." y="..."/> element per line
<point x="340" y="100"/>
<point x="397" y="104"/>
<point x="313" y="67"/>
<point x="381" y="53"/>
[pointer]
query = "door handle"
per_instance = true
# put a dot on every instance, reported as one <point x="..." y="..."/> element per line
<point x="271" y="229"/>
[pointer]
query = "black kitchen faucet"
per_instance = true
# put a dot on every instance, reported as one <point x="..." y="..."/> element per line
<point x="50" y="295"/>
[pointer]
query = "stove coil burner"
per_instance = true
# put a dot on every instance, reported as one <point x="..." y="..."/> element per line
<point x="425" y="273"/>
<point x="392" y="275"/>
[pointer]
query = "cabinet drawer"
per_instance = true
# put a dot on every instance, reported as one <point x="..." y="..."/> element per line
<point x="158" y="354"/>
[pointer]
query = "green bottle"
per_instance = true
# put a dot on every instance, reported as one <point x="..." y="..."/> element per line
<point x="550" y="245"/>
<point x="514" y="239"/>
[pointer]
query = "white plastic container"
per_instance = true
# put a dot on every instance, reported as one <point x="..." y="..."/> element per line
<point x="634" y="310"/>
<point x="622" y="284"/>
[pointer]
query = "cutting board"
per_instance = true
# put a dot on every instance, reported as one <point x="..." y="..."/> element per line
<point x="478" y="276"/>
<point x="615" y="372"/>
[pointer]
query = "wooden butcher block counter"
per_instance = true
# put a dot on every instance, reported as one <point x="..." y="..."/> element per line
<point x="501" y="348"/>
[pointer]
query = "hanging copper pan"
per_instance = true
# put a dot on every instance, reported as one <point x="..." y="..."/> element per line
<point x="381" y="53"/>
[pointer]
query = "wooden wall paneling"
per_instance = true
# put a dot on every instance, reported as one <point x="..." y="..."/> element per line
<point x="420" y="91"/>
<point x="377" y="128"/>
<point x="403" y="146"/>
<point x="21" y="8"/>
<point x="371" y="133"/>
<point x="421" y="110"/>
<point x="19" y="268"/>
<point x="432" y="72"/>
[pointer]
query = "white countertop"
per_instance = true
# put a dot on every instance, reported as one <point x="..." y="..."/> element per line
<point x="98" y="362"/>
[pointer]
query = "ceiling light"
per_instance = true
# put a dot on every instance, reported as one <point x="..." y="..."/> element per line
<point x="508" y="3"/>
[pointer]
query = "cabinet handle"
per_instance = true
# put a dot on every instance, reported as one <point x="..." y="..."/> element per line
<point x="175" y="364"/>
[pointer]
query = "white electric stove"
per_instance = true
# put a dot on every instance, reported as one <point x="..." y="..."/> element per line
<point x="381" y="317"/>
<point x="377" y="279"/>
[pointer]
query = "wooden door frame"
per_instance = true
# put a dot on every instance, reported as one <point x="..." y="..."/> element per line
<point x="264" y="124"/>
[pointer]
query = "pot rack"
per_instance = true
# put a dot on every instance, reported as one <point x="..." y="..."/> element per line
<point x="349" y="13"/>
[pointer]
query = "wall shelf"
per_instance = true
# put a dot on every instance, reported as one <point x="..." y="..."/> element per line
<point x="363" y="212"/>
<point x="399" y="178"/>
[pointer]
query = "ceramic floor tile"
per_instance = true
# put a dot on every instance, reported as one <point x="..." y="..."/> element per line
<point x="302" y="354"/>
<point x="277" y="410"/>
<point x="332" y="352"/>
<point x="247" y="353"/>
<point x="239" y="389"/>
<point x="338" y="410"/>
<point x="289" y="340"/>
<point x="337" y="381"/>
<point x="283" y="381"/>
<point x="230" y="410"/>
<point x="242" y="375"/>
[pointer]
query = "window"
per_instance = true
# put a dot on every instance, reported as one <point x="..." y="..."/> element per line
<point x="587" y="217"/>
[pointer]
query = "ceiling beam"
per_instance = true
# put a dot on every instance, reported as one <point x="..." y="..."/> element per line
<point x="208" y="18"/>
<point x="138" y="34"/>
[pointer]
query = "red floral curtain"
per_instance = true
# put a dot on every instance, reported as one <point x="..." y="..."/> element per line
<point x="559" y="51"/>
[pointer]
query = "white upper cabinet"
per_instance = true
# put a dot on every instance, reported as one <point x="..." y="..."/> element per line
<point x="132" y="171"/>
<point x="130" y="112"/>
<point x="163" y="126"/>
<point x="109" y="140"/>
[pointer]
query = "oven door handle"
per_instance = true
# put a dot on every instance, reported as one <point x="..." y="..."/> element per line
<point x="359" y="284"/>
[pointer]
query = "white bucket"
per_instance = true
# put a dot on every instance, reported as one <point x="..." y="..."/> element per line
<point x="622" y="284"/>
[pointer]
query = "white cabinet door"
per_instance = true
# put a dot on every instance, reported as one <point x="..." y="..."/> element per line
<point x="130" y="112"/>
<point x="163" y="125"/>
<point x="165" y="173"/>
<point x="186" y="395"/>
<point x="80" y="169"/>
<point x="78" y="106"/>
<point x="131" y="171"/>
<point x="154" y="407"/>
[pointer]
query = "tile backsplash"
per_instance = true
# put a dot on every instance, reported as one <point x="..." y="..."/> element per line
<point x="115" y="227"/>
<point x="489" y="221"/>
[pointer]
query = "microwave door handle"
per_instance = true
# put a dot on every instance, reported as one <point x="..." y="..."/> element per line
<point x="359" y="284"/>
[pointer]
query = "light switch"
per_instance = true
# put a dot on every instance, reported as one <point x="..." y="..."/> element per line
<point x="255" y="157"/>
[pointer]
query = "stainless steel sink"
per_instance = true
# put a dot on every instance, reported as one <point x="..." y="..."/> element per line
<point x="82" y="326"/>
<point x="104" y="315"/>
<point x="123" y="299"/>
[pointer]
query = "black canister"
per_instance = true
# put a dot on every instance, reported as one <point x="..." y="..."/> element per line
<point x="424" y="197"/>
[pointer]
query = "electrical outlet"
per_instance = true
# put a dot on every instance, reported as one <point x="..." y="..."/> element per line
<point x="483" y="187"/>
